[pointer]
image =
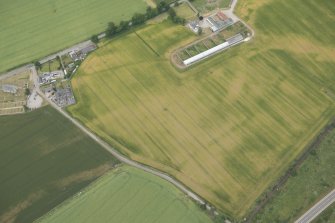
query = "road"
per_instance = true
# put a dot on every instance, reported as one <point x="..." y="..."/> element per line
<point x="15" y="71"/>
<point x="76" y="47"/>
<point x="112" y="150"/>
<point x="317" y="208"/>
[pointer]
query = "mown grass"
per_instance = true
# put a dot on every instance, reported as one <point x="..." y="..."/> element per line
<point x="228" y="127"/>
<point x="314" y="179"/>
<point x="44" y="159"/>
<point x="128" y="195"/>
<point x="31" y="30"/>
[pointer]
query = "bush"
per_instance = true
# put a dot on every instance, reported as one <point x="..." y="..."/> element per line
<point x="95" y="39"/>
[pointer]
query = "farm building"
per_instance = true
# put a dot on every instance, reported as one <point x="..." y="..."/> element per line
<point x="50" y="77"/>
<point x="194" y="26"/>
<point x="88" y="49"/>
<point x="64" y="97"/>
<point x="81" y="54"/>
<point x="219" y="21"/>
<point x="8" y="88"/>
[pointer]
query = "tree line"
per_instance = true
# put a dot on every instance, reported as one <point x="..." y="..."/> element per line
<point x="140" y="18"/>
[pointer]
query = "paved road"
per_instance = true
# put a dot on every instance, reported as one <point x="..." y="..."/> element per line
<point x="15" y="71"/>
<point x="317" y="208"/>
<point x="113" y="151"/>
<point x="77" y="47"/>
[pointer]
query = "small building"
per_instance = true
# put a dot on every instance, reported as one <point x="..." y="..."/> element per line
<point x="194" y="26"/>
<point x="50" y="77"/>
<point x="8" y="88"/>
<point x="213" y="24"/>
<point x="88" y="49"/>
<point x="219" y="21"/>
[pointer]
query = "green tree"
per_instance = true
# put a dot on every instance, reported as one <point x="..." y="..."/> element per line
<point x="172" y="13"/>
<point x="123" y="26"/>
<point x="138" y="18"/>
<point x="111" y="30"/>
<point x="162" y="7"/>
<point x="27" y="91"/>
<point x="199" y="31"/>
<point x="38" y="65"/>
<point x="95" y="39"/>
<point x="150" y="12"/>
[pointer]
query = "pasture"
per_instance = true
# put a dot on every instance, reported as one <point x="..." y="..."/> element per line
<point x="227" y="127"/>
<point x="44" y="159"/>
<point x="128" y="195"/>
<point x="314" y="179"/>
<point x="31" y="30"/>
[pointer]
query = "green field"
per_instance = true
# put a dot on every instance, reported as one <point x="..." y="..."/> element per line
<point x="44" y="160"/>
<point x="31" y="30"/>
<point x="314" y="179"/>
<point x="184" y="11"/>
<point x="229" y="126"/>
<point x="128" y="195"/>
<point x="205" y="6"/>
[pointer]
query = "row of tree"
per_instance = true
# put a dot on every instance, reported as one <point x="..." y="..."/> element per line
<point x="176" y="19"/>
<point x="139" y="18"/>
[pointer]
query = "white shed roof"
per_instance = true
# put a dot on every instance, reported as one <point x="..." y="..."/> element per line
<point x="205" y="53"/>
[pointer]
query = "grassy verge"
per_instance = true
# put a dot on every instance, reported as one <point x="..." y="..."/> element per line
<point x="326" y="216"/>
<point x="312" y="181"/>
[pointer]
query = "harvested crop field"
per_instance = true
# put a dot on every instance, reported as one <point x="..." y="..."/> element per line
<point x="227" y="127"/>
<point x="44" y="159"/>
<point x="31" y="30"/>
<point x="128" y="195"/>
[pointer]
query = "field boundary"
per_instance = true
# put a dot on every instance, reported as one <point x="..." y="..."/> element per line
<point x="147" y="44"/>
<point x="114" y="170"/>
<point x="273" y="190"/>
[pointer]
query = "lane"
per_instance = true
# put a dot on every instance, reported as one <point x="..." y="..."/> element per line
<point x="15" y="71"/>
<point x="317" y="208"/>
